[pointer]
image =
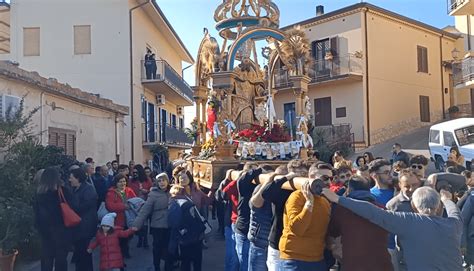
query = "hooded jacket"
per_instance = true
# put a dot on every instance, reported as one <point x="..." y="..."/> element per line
<point x="110" y="253"/>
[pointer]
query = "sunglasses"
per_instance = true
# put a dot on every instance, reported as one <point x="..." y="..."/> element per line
<point x="347" y="176"/>
<point x="326" y="178"/>
<point x="416" y="166"/>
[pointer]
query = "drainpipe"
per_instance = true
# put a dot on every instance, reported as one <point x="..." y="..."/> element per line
<point x="182" y="71"/>
<point x="441" y="74"/>
<point x="41" y="117"/>
<point x="117" y="151"/>
<point x="366" y="49"/>
<point x="468" y="32"/>
<point x="132" y="124"/>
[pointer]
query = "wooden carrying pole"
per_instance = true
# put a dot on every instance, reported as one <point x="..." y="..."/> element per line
<point x="294" y="184"/>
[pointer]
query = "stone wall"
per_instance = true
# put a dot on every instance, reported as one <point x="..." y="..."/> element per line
<point x="401" y="128"/>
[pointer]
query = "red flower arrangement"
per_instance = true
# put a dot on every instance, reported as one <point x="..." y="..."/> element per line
<point x="263" y="134"/>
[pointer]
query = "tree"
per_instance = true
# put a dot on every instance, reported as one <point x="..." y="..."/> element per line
<point x="21" y="156"/>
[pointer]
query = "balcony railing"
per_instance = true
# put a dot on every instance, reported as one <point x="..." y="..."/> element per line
<point x="463" y="72"/>
<point x="324" y="70"/>
<point x="160" y="70"/>
<point x="164" y="133"/>
<point x="454" y="4"/>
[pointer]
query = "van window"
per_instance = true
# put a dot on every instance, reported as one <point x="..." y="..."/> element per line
<point x="449" y="139"/>
<point x="434" y="136"/>
<point x="465" y="135"/>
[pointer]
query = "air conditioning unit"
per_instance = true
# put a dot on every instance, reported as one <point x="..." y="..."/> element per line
<point x="160" y="99"/>
<point x="180" y="111"/>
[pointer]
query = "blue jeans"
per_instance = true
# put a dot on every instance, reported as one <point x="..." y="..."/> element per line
<point x="295" y="265"/>
<point x="257" y="258"/>
<point x="242" y="246"/>
<point x="231" y="259"/>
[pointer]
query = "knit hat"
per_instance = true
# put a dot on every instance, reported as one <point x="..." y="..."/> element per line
<point x="108" y="220"/>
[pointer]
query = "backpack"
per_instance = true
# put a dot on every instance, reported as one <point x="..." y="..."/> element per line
<point x="191" y="228"/>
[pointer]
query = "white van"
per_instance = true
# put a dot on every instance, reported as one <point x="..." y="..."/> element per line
<point x="443" y="136"/>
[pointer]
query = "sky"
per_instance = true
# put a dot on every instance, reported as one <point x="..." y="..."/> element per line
<point x="190" y="17"/>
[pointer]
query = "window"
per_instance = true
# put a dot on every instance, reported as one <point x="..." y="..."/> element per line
<point x="181" y="123"/>
<point x="449" y="139"/>
<point x="434" y="136"/>
<point x="8" y="104"/>
<point x="465" y="136"/>
<point x="31" y="41"/>
<point x="173" y="120"/>
<point x="422" y="55"/>
<point x="341" y="112"/>
<point x="82" y="39"/>
<point x="65" y="139"/>
<point x="425" y="109"/>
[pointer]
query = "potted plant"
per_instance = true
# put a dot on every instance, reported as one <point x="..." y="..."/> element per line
<point x="453" y="112"/>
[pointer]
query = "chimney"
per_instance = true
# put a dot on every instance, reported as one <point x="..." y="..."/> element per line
<point x="319" y="10"/>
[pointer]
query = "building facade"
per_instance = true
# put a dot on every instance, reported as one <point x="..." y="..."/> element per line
<point x="463" y="59"/>
<point x="103" y="49"/>
<point x="375" y="72"/>
<point x="83" y="124"/>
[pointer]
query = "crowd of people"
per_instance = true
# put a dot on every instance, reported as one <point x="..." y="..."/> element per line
<point x="370" y="214"/>
<point x="136" y="200"/>
<point x="373" y="214"/>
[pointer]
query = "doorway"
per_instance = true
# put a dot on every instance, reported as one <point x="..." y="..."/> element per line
<point x="322" y="111"/>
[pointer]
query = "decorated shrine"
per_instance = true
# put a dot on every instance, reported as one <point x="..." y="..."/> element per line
<point x="235" y="116"/>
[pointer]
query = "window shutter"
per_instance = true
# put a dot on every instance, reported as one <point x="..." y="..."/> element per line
<point x="425" y="59"/>
<point x="419" y="55"/>
<point x="334" y="45"/>
<point x="31" y="41"/>
<point x="2" y="114"/>
<point x="71" y="144"/>
<point x="82" y="39"/>
<point x="313" y="49"/>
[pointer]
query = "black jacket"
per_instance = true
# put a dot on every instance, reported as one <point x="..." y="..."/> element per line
<point x="101" y="186"/>
<point x="48" y="216"/>
<point x="87" y="210"/>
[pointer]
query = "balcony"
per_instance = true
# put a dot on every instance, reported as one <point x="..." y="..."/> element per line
<point x="463" y="73"/>
<point x="156" y="133"/>
<point x="346" y="67"/>
<point x="460" y="7"/>
<point x="161" y="78"/>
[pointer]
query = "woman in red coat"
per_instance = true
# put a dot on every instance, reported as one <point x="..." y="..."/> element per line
<point x="116" y="201"/>
<point x="108" y="239"/>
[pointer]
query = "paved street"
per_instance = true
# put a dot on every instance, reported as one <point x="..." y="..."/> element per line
<point x="142" y="259"/>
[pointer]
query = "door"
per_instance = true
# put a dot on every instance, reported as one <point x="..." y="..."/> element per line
<point x="151" y="123"/>
<point x="322" y="111"/>
<point x="163" y="124"/>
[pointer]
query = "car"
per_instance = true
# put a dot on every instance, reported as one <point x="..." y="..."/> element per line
<point x="454" y="133"/>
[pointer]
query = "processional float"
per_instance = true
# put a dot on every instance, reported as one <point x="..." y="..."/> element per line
<point x="235" y="115"/>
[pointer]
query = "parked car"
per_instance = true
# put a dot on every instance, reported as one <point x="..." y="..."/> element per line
<point x="443" y="136"/>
